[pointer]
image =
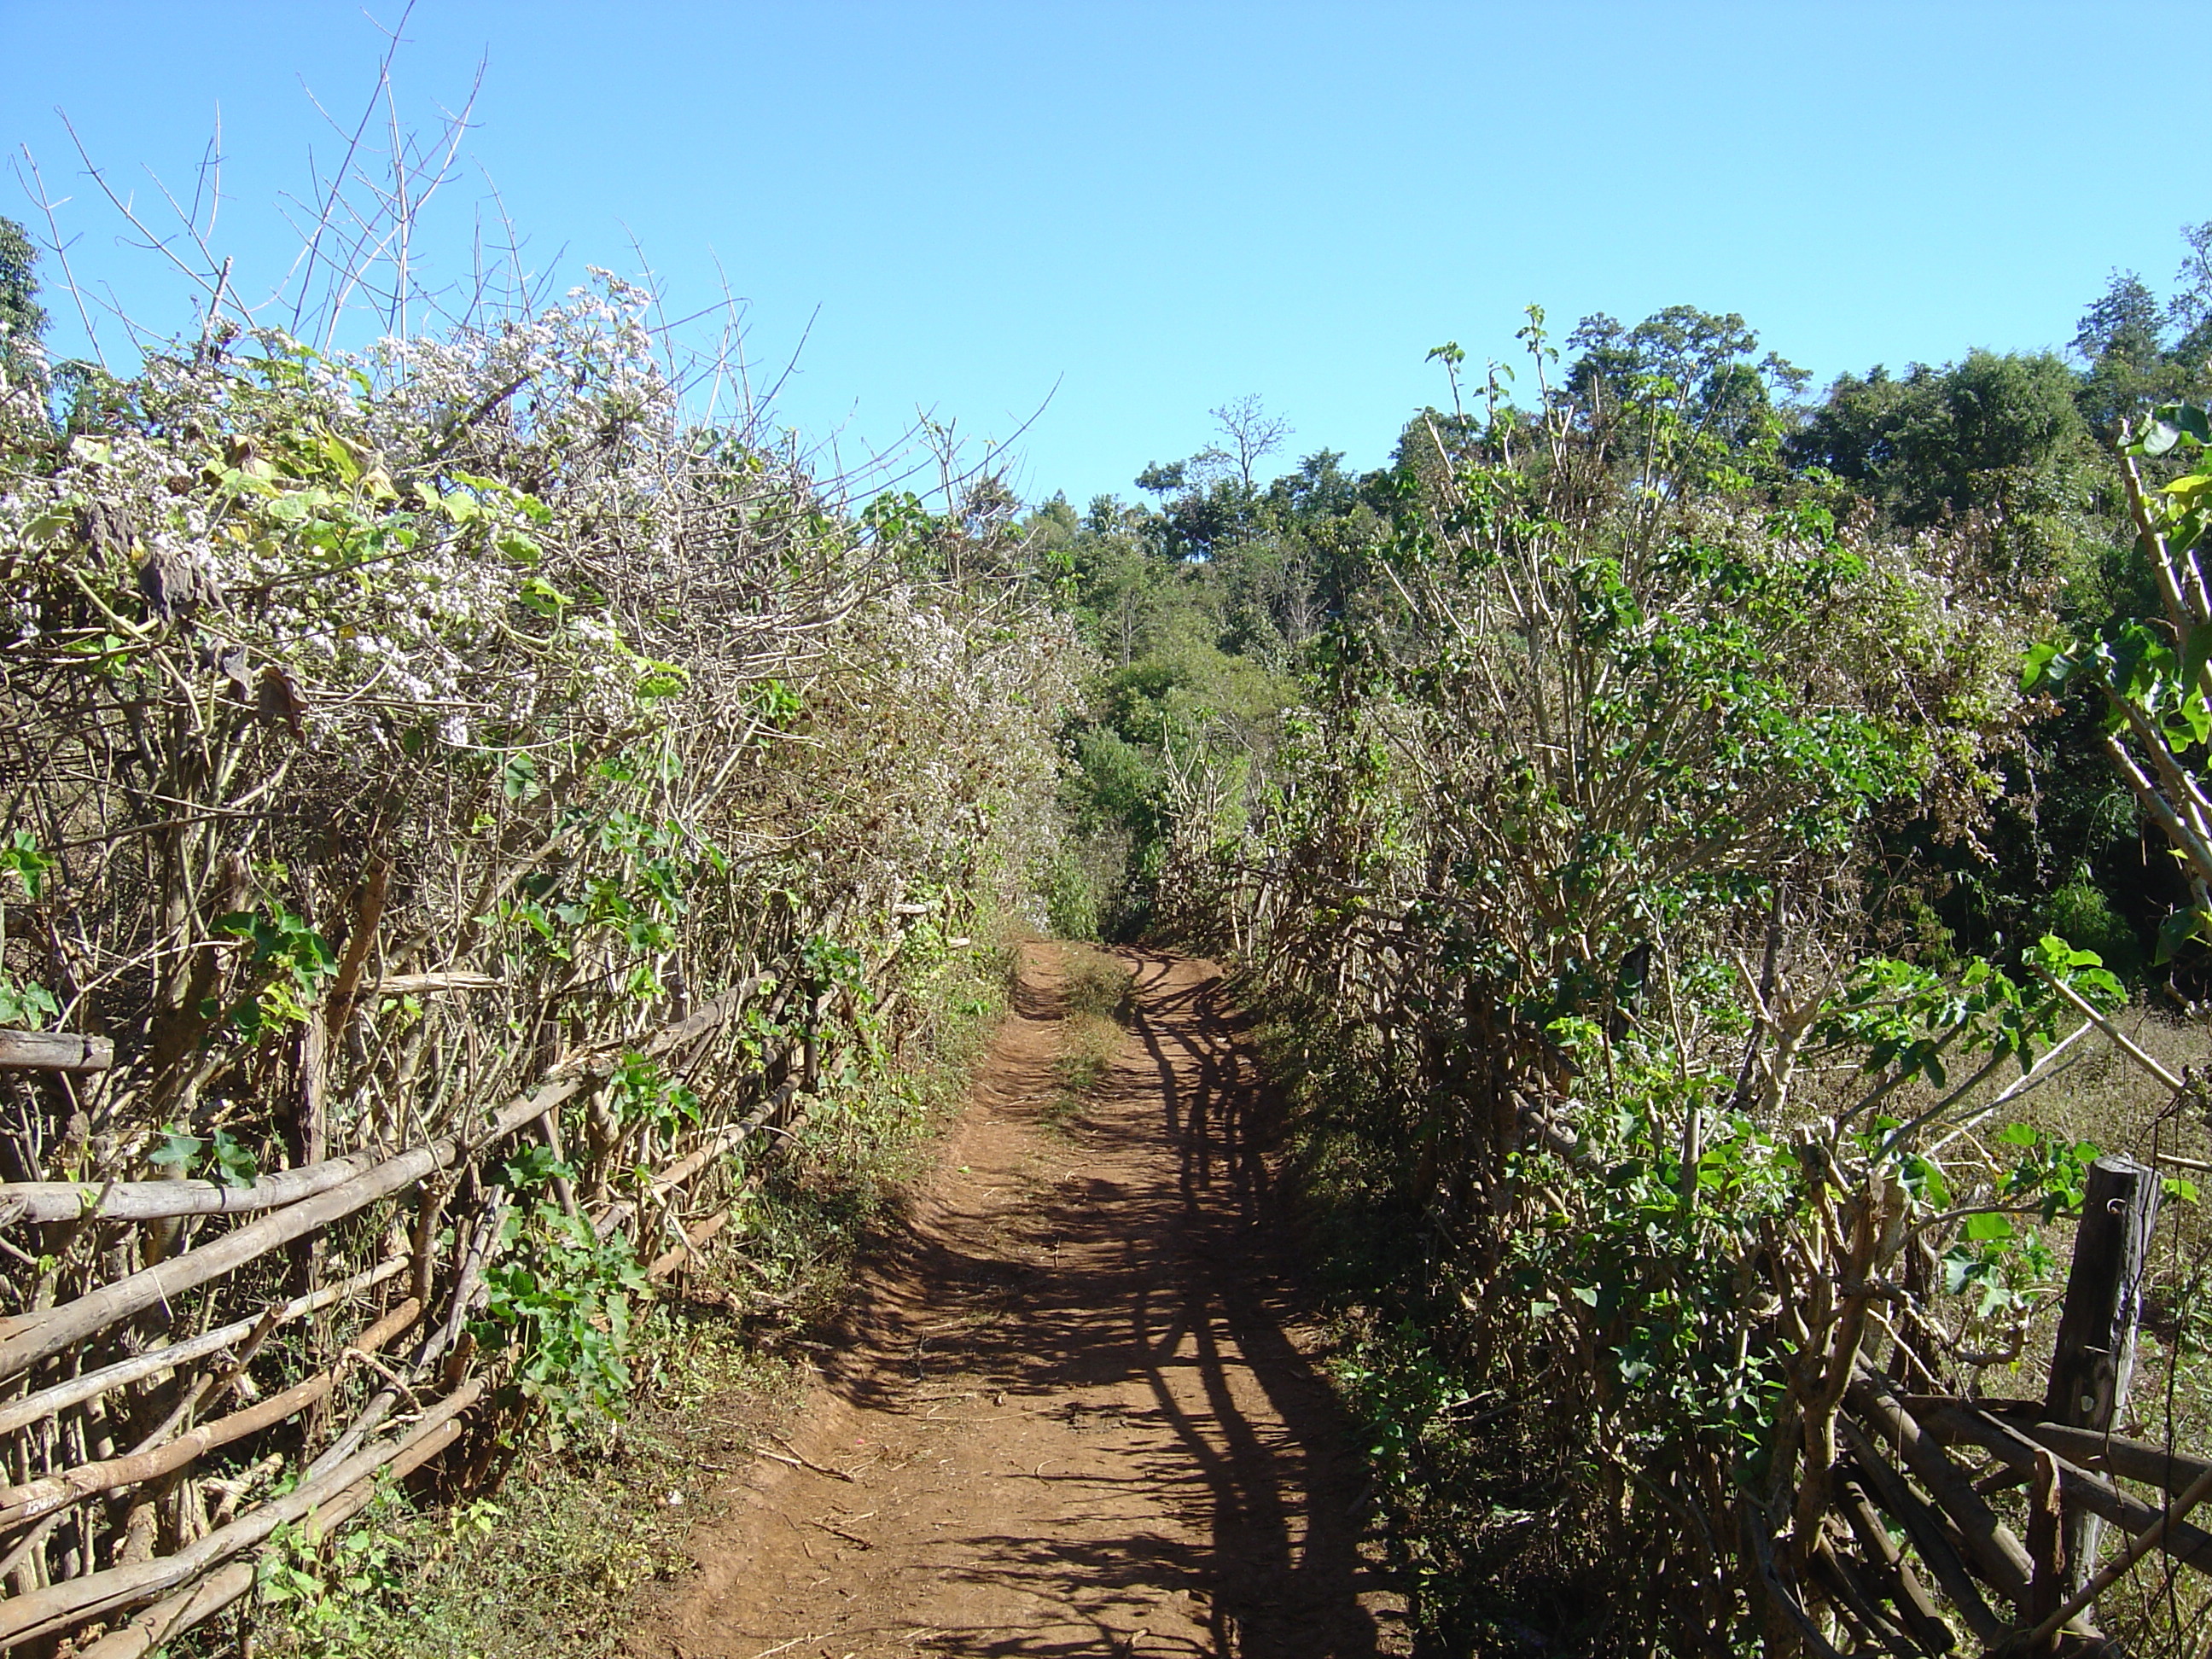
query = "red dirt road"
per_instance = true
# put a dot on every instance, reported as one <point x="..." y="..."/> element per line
<point x="1075" y="1395"/>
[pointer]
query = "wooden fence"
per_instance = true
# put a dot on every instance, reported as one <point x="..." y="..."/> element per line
<point x="1911" y="1539"/>
<point x="1922" y="1467"/>
<point x="173" y="1340"/>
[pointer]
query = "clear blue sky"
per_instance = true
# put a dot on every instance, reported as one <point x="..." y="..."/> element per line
<point x="1159" y="208"/>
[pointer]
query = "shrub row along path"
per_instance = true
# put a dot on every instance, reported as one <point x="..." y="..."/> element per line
<point x="1075" y="1394"/>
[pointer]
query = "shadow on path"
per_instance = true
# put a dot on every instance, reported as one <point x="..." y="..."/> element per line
<point x="1080" y="1365"/>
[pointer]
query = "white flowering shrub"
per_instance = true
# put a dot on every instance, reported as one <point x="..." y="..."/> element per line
<point x="380" y="729"/>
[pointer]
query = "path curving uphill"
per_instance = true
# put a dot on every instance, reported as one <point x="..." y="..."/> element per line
<point x="1073" y="1397"/>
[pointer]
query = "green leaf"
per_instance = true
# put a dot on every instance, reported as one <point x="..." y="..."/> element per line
<point x="49" y="526"/>
<point x="2017" y="1134"/>
<point x="1961" y="1267"/>
<point x="532" y="1167"/>
<point x="341" y="458"/>
<point x="176" y="1151"/>
<point x="1924" y="1180"/>
<point x="1987" y="1227"/>
<point x="2038" y="663"/>
<point x="2195" y="649"/>
<point x="542" y="596"/>
<point x="235" y="1165"/>
<point x="26" y="1003"/>
<point x="20" y="853"/>
<point x="2169" y="424"/>
<point x="2178" y="929"/>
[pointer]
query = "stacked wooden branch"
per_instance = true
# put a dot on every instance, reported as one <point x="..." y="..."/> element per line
<point x="1905" y="1471"/>
<point x="123" y="1361"/>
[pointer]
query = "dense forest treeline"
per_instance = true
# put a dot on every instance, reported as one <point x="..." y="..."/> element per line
<point x="1209" y="600"/>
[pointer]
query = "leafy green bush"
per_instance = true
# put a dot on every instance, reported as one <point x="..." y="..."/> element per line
<point x="2082" y="912"/>
<point x="1632" y="1151"/>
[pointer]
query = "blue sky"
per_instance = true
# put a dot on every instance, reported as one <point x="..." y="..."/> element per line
<point x="1156" y="208"/>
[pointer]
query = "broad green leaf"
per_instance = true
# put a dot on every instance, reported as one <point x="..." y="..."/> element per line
<point x="2043" y="663"/>
<point x="1924" y="1180"/>
<point x="177" y="1151"/>
<point x="2178" y="929"/>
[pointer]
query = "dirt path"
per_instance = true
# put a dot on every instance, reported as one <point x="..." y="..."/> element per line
<point x="1073" y="1397"/>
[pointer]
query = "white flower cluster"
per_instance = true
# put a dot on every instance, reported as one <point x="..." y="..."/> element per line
<point x="411" y="606"/>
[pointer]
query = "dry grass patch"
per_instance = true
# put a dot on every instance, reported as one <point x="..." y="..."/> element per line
<point x="1099" y="1001"/>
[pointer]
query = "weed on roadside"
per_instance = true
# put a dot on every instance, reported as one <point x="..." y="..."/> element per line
<point x="552" y="1560"/>
<point x="541" y="1567"/>
<point x="1098" y="986"/>
<point x="1100" y="1001"/>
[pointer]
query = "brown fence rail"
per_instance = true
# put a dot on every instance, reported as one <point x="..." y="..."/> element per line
<point x="174" y="1338"/>
<point x="1907" y="1470"/>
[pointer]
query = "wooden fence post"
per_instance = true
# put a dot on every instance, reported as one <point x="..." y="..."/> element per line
<point x="2096" y="1352"/>
<point x="810" y="1065"/>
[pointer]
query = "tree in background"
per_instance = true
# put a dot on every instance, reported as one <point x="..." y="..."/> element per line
<point x="1696" y="366"/>
<point x="2189" y="314"/>
<point x="2007" y="456"/>
<point x="1252" y="433"/>
<point x="2122" y="339"/>
<point x="1203" y="608"/>
<point x="2000" y="435"/>
<point x="22" y="319"/>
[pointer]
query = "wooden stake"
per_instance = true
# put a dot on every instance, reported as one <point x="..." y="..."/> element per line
<point x="2095" y="1357"/>
<point x="2046" y="1548"/>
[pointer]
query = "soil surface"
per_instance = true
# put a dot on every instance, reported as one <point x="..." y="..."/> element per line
<point x="1075" y="1396"/>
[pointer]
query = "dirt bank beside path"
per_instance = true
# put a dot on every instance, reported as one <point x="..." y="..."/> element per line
<point x="1073" y="1396"/>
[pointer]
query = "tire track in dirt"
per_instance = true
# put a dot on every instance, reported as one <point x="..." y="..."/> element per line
<point x="1073" y="1394"/>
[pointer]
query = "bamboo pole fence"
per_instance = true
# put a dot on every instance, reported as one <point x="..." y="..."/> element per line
<point x="162" y="1352"/>
<point x="1912" y="1540"/>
